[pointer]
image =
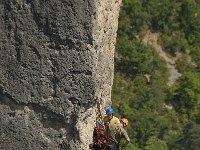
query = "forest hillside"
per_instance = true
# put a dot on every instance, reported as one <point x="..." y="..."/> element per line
<point x="157" y="73"/>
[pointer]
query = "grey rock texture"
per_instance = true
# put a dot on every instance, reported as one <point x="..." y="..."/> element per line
<point x="56" y="61"/>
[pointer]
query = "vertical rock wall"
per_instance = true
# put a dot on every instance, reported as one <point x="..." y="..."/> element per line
<point x="56" y="59"/>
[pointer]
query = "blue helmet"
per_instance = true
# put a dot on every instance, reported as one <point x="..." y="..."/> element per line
<point x="109" y="111"/>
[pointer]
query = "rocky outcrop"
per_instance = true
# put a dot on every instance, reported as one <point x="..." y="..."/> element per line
<point x="56" y="60"/>
<point x="152" y="40"/>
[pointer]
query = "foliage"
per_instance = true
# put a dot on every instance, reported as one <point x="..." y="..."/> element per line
<point x="131" y="146"/>
<point x="135" y="58"/>
<point x="156" y="144"/>
<point x="142" y="103"/>
<point x="187" y="95"/>
<point x="191" y="139"/>
<point x="195" y="54"/>
<point x="158" y="114"/>
<point x="183" y="64"/>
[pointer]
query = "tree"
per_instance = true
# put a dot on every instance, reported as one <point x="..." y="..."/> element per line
<point x="187" y="95"/>
<point x="191" y="141"/>
<point x="156" y="144"/>
<point x="135" y="58"/>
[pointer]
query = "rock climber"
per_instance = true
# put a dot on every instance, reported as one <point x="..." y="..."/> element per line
<point x="101" y="136"/>
<point x="109" y="118"/>
<point x="116" y="133"/>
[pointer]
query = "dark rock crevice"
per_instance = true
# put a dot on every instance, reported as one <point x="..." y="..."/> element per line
<point x="34" y="49"/>
<point x="56" y="124"/>
<point x="48" y="118"/>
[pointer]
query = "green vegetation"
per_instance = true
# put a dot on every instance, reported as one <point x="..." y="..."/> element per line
<point x="161" y="117"/>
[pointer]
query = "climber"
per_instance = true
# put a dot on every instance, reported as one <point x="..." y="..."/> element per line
<point x="100" y="132"/>
<point x="116" y="133"/>
<point x="109" y="118"/>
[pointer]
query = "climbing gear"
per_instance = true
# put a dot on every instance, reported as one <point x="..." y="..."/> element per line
<point x="99" y="134"/>
<point x="125" y="121"/>
<point x="109" y="111"/>
<point x="99" y="139"/>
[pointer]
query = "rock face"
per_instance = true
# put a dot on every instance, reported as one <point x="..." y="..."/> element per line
<point x="56" y="60"/>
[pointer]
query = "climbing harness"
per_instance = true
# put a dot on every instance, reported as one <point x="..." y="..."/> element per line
<point x="99" y="134"/>
<point x="100" y="139"/>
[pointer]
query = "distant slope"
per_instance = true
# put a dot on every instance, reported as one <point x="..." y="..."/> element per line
<point x="151" y="39"/>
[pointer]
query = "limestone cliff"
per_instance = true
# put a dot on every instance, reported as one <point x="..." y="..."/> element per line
<point x="56" y="59"/>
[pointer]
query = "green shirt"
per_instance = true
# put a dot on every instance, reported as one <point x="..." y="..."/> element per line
<point x="116" y="133"/>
